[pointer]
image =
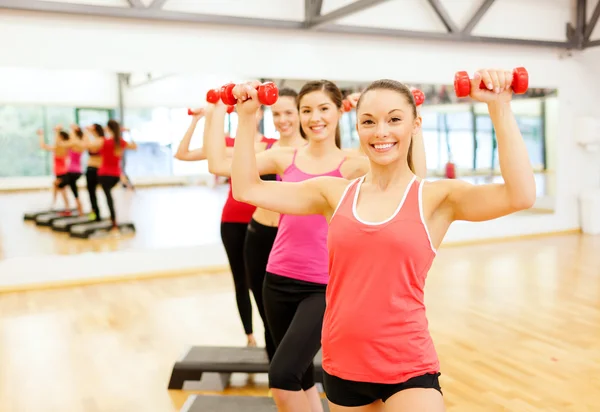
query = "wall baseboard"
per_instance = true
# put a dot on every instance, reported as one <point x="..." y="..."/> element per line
<point x="504" y="239"/>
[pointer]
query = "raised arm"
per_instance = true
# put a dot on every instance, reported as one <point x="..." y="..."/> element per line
<point x="183" y="151"/>
<point x="43" y="144"/>
<point x="490" y="201"/>
<point x="217" y="152"/>
<point x="302" y="198"/>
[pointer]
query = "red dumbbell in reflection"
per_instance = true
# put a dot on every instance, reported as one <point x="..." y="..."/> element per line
<point x="419" y="96"/>
<point x="519" y="85"/>
<point x="268" y="93"/>
<point x="347" y="105"/>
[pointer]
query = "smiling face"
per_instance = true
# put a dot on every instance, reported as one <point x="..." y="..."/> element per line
<point x="386" y="122"/>
<point x="285" y="116"/>
<point x="319" y="116"/>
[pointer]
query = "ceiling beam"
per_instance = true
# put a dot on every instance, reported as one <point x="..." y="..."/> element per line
<point x="592" y="23"/>
<point x="593" y="43"/>
<point x="136" y="4"/>
<point x="352" y="8"/>
<point x="312" y="10"/>
<point x="442" y="13"/>
<point x="477" y="16"/>
<point x="145" y="14"/>
<point x="157" y="4"/>
<point x="165" y="15"/>
<point x="451" y="37"/>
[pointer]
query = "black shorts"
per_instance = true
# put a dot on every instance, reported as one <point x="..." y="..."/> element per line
<point x="346" y="393"/>
<point x="62" y="180"/>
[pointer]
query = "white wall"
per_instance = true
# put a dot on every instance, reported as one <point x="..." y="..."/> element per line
<point x="119" y="45"/>
<point x="66" y="87"/>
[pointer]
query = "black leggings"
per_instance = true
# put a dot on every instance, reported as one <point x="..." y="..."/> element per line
<point x="295" y="311"/>
<point x="233" y="236"/>
<point x="72" y="179"/>
<point x="107" y="183"/>
<point x="91" y="176"/>
<point x="257" y="248"/>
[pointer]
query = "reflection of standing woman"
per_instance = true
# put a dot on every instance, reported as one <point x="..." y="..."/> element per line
<point x="109" y="174"/>
<point x="60" y="150"/>
<point x="93" y="164"/>
<point x="76" y="148"/>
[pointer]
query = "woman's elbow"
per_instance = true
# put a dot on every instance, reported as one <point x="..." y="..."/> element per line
<point x="239" y="193"/>
<point x="525" y="199"/>
<point x="218" y="169"/>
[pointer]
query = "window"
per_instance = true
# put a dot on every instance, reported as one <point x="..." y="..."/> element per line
<point x="20" y="152"/>
<point x="153" y="131"/>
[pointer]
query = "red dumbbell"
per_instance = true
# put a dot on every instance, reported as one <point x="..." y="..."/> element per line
<point x="419" y="96"/>
<point x="213" y="95"/>
<point x="346" y="105"/>
<point x="268" y="93"/>
<point x="519" y="85"/>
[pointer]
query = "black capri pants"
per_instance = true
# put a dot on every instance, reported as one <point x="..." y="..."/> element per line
<point x="257" y="248"/>
<point x="72" y="179"/>
<point x="107" y="183"/>
<point x="233" y="236"/>
<point x="295" y="311"/>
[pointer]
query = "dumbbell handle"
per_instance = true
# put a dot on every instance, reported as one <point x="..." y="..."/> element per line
<point x="268" y="93"/>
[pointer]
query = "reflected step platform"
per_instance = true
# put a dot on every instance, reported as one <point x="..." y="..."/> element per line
<point x="64" y="224"/>
<point x="95" y="230"/>
<point x="220" y="403"/>
<point x="210" y="367"/>
<point x="30" y="216"/>
<point x="46" y="219"/>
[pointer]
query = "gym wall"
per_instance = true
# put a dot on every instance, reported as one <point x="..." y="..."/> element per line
<point x="110" y="46"/>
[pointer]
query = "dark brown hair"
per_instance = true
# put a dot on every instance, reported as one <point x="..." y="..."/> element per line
<point x="288" y="92"/>
<point x="64" y="135"/>
<point x="78" y="132"/>
<point x="334" y="94"/>
<point x="99" y="130"/>
<point x="400" y="88"/>
<point x="115" y="128"/>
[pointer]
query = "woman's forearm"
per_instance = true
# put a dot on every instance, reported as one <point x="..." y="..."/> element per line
<point x="513" y="157"/>
<point x="244" y="171"/>
<point x="214" y="144"/>
<point x="183" y="150"/>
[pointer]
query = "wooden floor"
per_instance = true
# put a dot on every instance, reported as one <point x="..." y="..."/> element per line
<point x="516" y="325"/>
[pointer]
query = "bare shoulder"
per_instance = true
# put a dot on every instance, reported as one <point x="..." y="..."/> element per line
<point x="281" y="156"/>
<point x="355" y="166"/>
<point x="332" y="189"/>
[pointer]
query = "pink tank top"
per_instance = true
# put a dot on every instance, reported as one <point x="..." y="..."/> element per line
<point x="74" y="162"/>
<point x="375" y="327"/>
<point x="300" y="248"/>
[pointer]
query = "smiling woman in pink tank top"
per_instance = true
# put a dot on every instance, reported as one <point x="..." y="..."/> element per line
<point x="384" y="229"/>
<point x="297" y="271"/>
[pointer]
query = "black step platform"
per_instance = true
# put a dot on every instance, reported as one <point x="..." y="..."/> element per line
<point x="64" y="223"/>
<point x="217" y="403"/>
<point x="98" y="229"/>
<point x="32" y="215"/>
<point x="46" y="219"/>
<point x="223" y="361"/>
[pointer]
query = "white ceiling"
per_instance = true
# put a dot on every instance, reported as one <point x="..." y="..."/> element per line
<point x="526" y="19"/>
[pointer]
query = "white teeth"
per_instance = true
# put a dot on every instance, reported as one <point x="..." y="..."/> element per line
<point x="383" y="146"/>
